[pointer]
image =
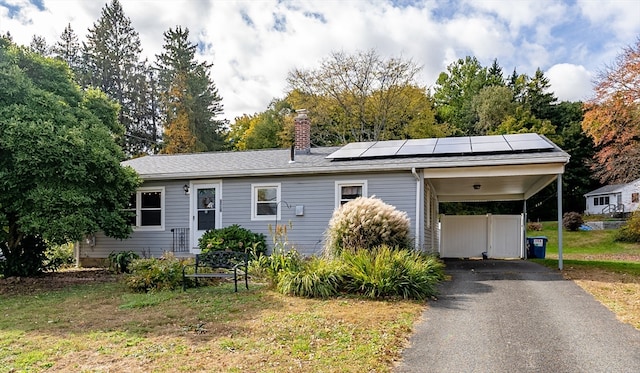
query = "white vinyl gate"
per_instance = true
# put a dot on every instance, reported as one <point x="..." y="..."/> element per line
<point x="468" y="236"/>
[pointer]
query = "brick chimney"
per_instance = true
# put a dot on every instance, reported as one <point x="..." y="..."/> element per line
<point x="302" y="141"/>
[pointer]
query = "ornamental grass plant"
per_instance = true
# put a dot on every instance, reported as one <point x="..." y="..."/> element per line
<point x="366" y="222"/>
<point x="387" y="272"/>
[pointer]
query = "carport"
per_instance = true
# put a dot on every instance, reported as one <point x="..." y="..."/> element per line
<point x="511" y="167"/>
<point x="500" y="176"/>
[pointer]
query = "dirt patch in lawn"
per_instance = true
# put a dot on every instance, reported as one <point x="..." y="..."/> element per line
<point x="55" y="280"/>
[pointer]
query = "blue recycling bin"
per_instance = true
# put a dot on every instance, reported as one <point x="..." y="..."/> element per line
<point x="536" y="247"/>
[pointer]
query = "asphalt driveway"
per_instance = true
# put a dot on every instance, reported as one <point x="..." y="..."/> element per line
<point x="518" y="316"/>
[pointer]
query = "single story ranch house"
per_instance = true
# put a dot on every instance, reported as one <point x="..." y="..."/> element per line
<point x="184" y="195"/>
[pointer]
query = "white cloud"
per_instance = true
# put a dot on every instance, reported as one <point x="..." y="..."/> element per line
<point x="570" y="82"/>
<point x="622" y="16"/>
<point x="254" y="44"/>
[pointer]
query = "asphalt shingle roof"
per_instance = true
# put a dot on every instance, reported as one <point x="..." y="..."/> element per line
<point x="277" y="162"/>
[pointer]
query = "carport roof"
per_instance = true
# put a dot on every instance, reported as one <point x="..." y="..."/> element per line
<point x="503" y="175"/>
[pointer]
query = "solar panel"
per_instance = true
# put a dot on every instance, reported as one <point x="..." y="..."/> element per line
<point x="452" y="148"/>
<point x="454" y="140"/>
<point x="489" y="147"/>
<point x="530" y="145"/>
<point x="384" y="148"/>
<point x="352" y="150"/>
<point x="482" y="139"/>
<point x="495" y="144"/>
<point x="416" y="149"/>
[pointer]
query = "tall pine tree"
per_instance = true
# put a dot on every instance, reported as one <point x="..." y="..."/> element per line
<point x="190" y="100"/>
<point x="68" y="50"/>
<point x="112" y="58"/>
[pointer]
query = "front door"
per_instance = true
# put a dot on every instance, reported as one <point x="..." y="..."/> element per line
<point x="205" y="210"/>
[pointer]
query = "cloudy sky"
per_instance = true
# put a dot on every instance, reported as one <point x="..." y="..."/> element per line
<point x="254" y="44"/>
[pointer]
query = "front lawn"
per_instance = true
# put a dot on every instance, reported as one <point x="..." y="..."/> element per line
<point x="104" y="327"/>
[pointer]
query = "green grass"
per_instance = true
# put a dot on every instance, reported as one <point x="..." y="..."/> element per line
<point x="103" y="327"/>
<point x="596" y="249"/>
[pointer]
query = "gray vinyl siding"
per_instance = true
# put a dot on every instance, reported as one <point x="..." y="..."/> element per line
<point x="306" y="234"/>
<point x="317" y="196"/>
<point x="147" y="243"/>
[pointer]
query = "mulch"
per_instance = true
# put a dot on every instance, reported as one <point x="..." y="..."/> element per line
<point x="55" y="280"/>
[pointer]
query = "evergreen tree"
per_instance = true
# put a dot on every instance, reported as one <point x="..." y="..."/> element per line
<point x="68" y="50"/>
<point x="112" y="58"/>
<point x="39" y="45"/>
<point x="190" y="95"/>
<point x="494" y="74"/>
<point x="539" y="98"/>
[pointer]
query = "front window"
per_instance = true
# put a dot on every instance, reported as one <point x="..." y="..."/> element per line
<point x="265" y="201"/>
<point x="146" y="206"/>
<point x="349" y="190"/>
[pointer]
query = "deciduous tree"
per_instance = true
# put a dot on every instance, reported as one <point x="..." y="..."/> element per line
<point x="354" y="97"/>
<point x="454" y="93"/>
<point x="612" y="118"/>
<point x="60" y="172"/>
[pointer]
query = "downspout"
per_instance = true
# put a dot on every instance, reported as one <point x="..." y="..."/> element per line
<point x="417" y="233"/>
<point x="560" y="222"/>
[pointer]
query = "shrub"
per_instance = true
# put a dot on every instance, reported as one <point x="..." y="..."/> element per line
<point x="384" y="272"/>
<point x="28" y="259"/>
<point x="572" y="221"/>
<point x="233" y="238"/>
<point x="269" y="267"/>
<point x="315" y="278"/>
<point x="154" y="274"/>
<point x="119" y="261"/>
<point x="59" y="256"/>
<point x="534" y="226"/>
<point x="630" y="231"/>
<point x="366" y="223"/>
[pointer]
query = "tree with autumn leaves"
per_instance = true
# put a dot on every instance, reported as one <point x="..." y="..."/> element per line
<point x="612" y="118"/>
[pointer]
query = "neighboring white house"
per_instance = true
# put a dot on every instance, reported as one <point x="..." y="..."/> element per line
<point x="612" y="199"/>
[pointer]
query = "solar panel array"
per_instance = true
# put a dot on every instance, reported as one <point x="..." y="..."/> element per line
<point x="514" y="143"/>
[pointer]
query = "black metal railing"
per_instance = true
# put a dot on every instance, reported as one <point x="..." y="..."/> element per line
<point x="180" y="242"/>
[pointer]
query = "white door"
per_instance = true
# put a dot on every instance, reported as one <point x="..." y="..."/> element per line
<point x="506" y="236"/>
<point x="463" y="236"/>
<point x="468" y="236"/>
<point x="205" y="211"/>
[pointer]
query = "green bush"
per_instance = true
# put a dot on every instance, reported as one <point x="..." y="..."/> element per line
<point x="119" y="261"/>
<point x="572" y="221"/>
<point x="366" y="223"/>
<point x="233" y="238"/>
<point x="630" y="231"/>
<point x="269" y="267"/>
<point x="59" y="256"/>
<point x="315" y="278"/>
<point x="386" y="272"/>
<point x="156" y="274"/>
<point x="28" y="259"/>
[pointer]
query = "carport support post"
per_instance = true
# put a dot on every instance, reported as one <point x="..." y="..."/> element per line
<point x="560" y="222"/>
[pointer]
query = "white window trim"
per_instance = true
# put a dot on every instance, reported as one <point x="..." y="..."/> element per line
<point x="340" y="184"/>
<point x="163" y="208"/>
<point x="254" y="202"/>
